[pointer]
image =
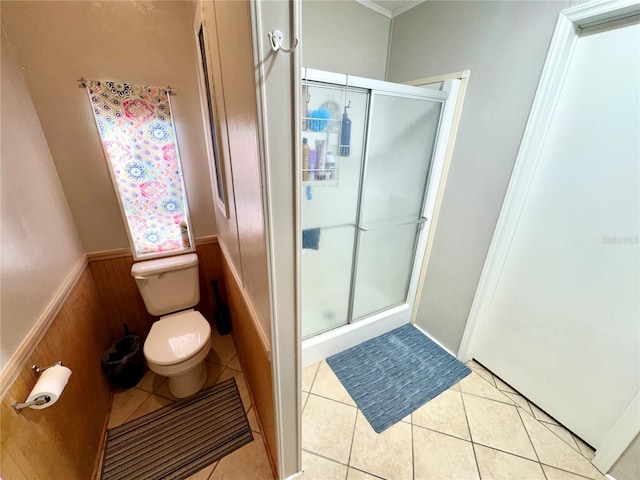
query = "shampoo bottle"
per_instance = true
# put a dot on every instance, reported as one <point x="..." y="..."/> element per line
<point x="312" y="165"/>
<point x="320" y="152"/>
<point x="305" y="159"/>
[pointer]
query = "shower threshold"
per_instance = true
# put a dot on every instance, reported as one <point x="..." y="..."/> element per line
<point x="339" y="339"/>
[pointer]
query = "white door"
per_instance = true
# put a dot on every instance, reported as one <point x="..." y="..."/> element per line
<point x="563" y="326"/>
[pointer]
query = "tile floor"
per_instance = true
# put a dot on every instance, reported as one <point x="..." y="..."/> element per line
<point x="479" y="428"/>
<point x="249" y="462"/>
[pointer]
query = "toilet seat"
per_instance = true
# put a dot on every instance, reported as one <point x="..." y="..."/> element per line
<point x="177" y="338"/>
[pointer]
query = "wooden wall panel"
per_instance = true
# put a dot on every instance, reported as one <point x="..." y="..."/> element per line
<point x="210" y="259"/>
<point x="121" y="298"/>
<point x="61" y="441"/>
<point x="254" y="359"/>
<point x="65" y="440"/>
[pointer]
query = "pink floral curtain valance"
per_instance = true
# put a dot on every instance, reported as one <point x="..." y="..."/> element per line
<point x="139" y="141"/>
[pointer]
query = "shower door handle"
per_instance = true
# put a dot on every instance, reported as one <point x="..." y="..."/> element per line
<point x="421" y="221"/>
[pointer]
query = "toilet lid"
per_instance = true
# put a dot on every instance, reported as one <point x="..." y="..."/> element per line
<point x="176" y="338"/>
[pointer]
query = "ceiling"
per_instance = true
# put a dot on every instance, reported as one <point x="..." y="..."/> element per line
<point x="390" y="8"/>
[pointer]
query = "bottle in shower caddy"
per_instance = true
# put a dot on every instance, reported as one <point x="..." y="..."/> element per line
<point x="312" y="165"/>
<point x="330" y="166"/>
<point x="321" y="146"/>
<point x="305" y="159"/>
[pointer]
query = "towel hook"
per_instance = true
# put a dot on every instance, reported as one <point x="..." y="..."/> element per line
<point x="275" y="39"/>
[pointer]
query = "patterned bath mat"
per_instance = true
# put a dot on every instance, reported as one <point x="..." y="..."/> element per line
<point x="180" y="439"/>
<point x="394" y="374"/>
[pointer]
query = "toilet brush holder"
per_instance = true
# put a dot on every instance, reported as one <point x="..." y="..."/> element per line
<point x="221" y="316"/>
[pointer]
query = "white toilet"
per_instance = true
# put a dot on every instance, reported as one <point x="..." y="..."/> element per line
<point x="180" y="340"/>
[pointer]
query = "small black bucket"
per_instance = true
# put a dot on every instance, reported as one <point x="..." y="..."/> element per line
<point x="123" y="363"/>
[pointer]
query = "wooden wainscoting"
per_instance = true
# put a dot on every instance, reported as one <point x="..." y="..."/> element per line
<point x="122" y="300"/>
<point x="254" y="356"/>
<point x="65" y="440"/>
<point x="62" y="440"/>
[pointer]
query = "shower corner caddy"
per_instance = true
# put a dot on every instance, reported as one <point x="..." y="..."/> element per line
<point x="332" y="130"/>
<point x="331" y="134"/>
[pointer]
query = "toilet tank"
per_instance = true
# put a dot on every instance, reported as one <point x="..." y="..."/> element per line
<point x="169" y="284"/>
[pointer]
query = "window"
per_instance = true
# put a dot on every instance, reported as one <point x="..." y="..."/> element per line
<point x="207" y="87"/>
<point x="139" y="141"/>
<point x="209" y="119"/>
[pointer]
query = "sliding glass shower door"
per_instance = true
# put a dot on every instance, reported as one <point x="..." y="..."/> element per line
<point x="330" y="199"/>
<point x="401" y="139"/>
<point x="367" y="158"/>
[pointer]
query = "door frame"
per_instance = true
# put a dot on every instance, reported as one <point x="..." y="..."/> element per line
<point x="565" y="36"/>
<point x="446" y="80"/>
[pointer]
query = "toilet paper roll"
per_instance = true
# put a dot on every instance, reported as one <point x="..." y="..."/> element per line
<point x="51" y="384"/>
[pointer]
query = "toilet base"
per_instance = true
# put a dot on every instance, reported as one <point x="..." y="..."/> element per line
<point x="188" y="383"/>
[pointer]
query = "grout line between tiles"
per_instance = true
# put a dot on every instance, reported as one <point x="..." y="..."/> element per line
<point x="326" y="458"/>
<point x="523" y="458"/>
<point x="315" y="375"/>
<point x="413" y="455"/>
<point x="529" y="437"/>
<point x="475" y="457"/>
<point x="353" y="436"/>
<point x="578" y="441"/>
<point x="365" y="472"/>
<point x="545" y="424"/>
<point x="333" y="400"/>
<point x="214" y="469"/>
<point x="509" y="402"/>
<point x="567" y="471"/>
<point x="531" y="406"/>
<point x="576" y="448"/>
<point x="443" y="433"/>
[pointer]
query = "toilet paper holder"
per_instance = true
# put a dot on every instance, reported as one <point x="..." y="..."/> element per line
<point x="38" y="371"/>
<point x="42" y="399"/>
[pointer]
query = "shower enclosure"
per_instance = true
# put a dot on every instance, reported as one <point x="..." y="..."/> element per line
<point x="372" y="159"/>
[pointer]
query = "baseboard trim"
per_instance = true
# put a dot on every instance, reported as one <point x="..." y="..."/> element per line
<point x="17" y="361"/>
<point x="126" y="252"/>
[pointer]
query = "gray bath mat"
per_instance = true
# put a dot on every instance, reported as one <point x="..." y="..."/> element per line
<point x="394" y="374"/>
<point x="180" y="439"/>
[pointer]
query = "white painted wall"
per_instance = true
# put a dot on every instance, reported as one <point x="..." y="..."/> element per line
<point x="504" y="44"/>
<point x="628" y="465"/>
<point x="40" y="244"/>
<point x="342" y="36"/>
<point x="131" y="41"/>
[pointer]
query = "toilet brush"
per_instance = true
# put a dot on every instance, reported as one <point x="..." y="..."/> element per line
<point x="221" y="316"/>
